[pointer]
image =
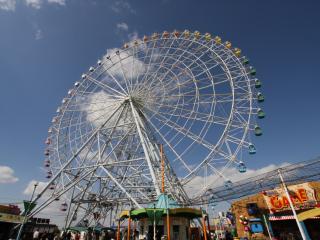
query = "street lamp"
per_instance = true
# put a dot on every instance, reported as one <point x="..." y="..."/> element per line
<point x="27" y="211"/>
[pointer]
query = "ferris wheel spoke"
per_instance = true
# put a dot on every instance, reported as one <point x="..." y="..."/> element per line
<point x="105" y="87"/>
<point x="177" y="59"/>
<point x="168" y="144"/>
<point x="183" y="131"/>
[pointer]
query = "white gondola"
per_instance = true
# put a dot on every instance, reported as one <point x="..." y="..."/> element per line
<point x="50" y="130"/>
<point x="91" y="69"/>
<point x="70" y="92"/>
<point x="99" y="62"/>
<point x="64" y="100"/>
<point x="58" y="110"/>
<point x="76" y="84"/>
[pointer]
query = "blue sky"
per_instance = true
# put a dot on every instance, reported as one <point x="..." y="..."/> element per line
<point x="46" y="45"/>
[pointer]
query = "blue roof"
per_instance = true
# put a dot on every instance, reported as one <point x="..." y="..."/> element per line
<point x="164" y="201"/>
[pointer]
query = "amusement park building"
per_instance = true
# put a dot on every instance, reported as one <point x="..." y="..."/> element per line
<point x="268" y="214"/>
<point x="10" y="217"/>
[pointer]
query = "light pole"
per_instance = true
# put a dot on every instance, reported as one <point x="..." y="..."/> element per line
<point x="27" y="211"/>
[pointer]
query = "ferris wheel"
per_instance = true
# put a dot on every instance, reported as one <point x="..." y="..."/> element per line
<point x="186" y="98"/>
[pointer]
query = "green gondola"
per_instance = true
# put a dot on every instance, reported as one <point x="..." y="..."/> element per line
<point x="260" y="97"/>
<point x="257" y="130"/>
<point x="253" y="71"/>
<point x="260" y="113"/>
<point x="257" y="83"/>
<point x="245" y="61"/>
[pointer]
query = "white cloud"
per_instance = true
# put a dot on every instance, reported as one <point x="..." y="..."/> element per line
<point x="38" y="34"/>
<point x="122" y="26"/>
<point x="8" y="5"/>
<point x="133" y="36"/>
<point x="34" y="3"/>
<point x="195" y="186"/>
<point x="59" y="2"/>
<point x="30" y="187"/>
<point x="122" y="5"/>
<point x="7" y="175"/>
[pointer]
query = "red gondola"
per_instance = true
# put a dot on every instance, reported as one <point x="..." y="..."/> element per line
<point x="49" y="174"/>
<point x="47" y="152"/>
<point x="47" y="163"/>
<point x="64" y="207"/>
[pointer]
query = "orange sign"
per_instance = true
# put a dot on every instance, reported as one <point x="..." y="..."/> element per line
<point x="302" y="196"/>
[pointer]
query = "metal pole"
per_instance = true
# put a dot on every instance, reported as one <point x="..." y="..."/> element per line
<point x="267" y="226"/>
<point x="129" y="223"/>
<point x="292" y="207"/>
<point x="154" y="222"/>
<point x="118" y="230"/>
<point x="204" y="228"/>
<point x="26" y="212"/>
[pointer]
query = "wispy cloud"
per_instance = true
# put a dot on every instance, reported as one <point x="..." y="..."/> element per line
<point x="133" y="36"/>
<point x="7" y="175"/>
<point x="34" y="3"/>
<point x="122" y="26"/>
<point x="121" y="5"/>
<point x="60" y="2"/>
<point x="8" y="5"/>
<point x="38" y="34"/>
<point x="232" y="174"/>
<point x="29" y="189"/>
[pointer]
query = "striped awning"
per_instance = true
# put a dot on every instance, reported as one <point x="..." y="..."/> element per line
<point x="287" y="217"/>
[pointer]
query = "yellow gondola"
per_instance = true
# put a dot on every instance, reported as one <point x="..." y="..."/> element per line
<point x="154" y="36"/>
<point x="186" y="34"/>
<point x="197" y="34"/>
<point x="207" y="36"/>
<point x="217" y="39"/>
<point x="237" y="52"/>
<point x="228" y="44"/>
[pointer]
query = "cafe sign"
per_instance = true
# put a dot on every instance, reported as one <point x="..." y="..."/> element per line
<point x="303" y="196"/>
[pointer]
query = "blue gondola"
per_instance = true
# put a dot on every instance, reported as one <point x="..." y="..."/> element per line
<point x="228" y="184"/>
<point x="252" y="149"/>
<point x="242" y="167"/>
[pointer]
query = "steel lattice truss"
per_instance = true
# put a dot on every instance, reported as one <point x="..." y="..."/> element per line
<point x="306" y="171"/>
<point x="189" y="92"/>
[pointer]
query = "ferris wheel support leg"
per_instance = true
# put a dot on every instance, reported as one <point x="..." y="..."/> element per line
<point x="121" y="187"/>
<point x="51" y="199"/>
<point x="76" y="154"/>
<point x="154" y="179"/>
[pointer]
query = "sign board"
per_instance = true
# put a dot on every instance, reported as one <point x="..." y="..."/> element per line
<point x="303" y="196"/>
<point x="5" y="217"/>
